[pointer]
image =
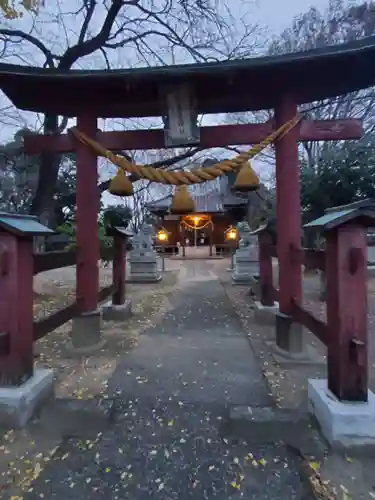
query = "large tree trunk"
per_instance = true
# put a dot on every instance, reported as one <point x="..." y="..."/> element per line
<point x="43" y="203"/>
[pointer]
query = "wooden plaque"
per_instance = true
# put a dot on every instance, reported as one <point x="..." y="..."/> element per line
<point x="180" y="116"/>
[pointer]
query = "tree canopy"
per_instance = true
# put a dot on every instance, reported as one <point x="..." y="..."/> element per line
<point x="341" y="176"/>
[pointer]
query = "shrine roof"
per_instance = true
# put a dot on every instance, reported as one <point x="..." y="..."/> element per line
<point x="204" y="203"/>
<point x="211" y="202"/>
<point x="226" y="86"/>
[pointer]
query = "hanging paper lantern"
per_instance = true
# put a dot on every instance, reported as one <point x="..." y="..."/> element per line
<point x="247" y="179"/>
<point x="182" y="202"/>
<point x="121" y="185"/>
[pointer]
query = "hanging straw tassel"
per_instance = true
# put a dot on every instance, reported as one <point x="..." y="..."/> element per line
<point x="182" y="202"/>
<point x="247" y="179"/>
<point x="120" y="185"/>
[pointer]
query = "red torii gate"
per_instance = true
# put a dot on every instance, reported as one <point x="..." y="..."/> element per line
<point x="224" y="87"/>
<point x="287" y="180"/>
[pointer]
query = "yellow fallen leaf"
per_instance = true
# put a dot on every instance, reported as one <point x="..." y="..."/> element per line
<point x="235" y="485"/>
<point x="314" y="466"/>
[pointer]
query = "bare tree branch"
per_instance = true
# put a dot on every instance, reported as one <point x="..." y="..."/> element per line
<point x="31" y="39"/>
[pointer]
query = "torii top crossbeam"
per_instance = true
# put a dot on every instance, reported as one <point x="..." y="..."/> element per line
<point x="228" y="86"/>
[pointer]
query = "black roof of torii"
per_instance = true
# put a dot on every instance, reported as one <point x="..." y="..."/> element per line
<point x="226" y="86"/>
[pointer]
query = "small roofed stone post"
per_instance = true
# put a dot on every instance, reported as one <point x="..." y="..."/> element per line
<point x="120" y="307"/>
<point x="22" y="389"/>
<point x="289" y="335"/>
<point x="143" y="260"/>
<point x="86" y="327"/>
<point x="331" y="400"/>
<point x="246" y="257"/>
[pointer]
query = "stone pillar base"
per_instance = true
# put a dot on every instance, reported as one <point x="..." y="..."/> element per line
<point x="144" y="278"/>
<point x="144" y="269"/>
<point x="244" y="272"/>
<point x="265" y="315"/>
<point x="86" y="333"/>
<point x="112" y="312"/>
<point x="289" y="335"/>
<point x="255" y="287"/>
<point x="343" y="424"/>
<point x="290" y="347"/>
<point x="19" y="404"/>
<point x="241" y="279"/>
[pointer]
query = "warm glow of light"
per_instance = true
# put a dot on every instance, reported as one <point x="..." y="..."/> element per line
<point x="196" y="220"/>
<point x="162" y="236"/>
<point x="232" y="234"/>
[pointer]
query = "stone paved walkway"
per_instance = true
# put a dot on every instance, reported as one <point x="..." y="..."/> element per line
<point x="172" y="395"/>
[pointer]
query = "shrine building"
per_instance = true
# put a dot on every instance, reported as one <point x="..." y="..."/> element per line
<point x="218" y="208"/>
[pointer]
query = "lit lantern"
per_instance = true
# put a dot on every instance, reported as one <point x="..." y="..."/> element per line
<point x="231" y="234"/>
<point x="162" y="235"/>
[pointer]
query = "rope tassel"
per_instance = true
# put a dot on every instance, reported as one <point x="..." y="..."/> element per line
<point x="120" y="184"/>
<point x="247" y="179"/>
<point x="182" y="202"/>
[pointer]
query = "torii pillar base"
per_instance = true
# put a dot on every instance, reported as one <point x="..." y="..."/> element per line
<point x="290" y="347"/>
<point x="86" y="336"/>
<point x="345" y="424"/>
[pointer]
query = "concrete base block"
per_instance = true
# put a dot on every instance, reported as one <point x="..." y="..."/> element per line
<point x="289" y="335"/>
<point x="144" y="269"/>
<point x="255" y="287"/>
<point x="141" y="278"/>
<point x="265" y="315"/>
<point x="309" y="356"/>
<point x="19" y="404"/>
<point x="244" y="267"/>
<point x="343" y="424"/>
<point x="241" y="279"/>
<point x="112" y="312"/>
<point x="86" y="333"/>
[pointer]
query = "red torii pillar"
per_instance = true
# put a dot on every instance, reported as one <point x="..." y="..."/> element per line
<point x="289" y="339"/>
<point x="86" y="334"/>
